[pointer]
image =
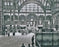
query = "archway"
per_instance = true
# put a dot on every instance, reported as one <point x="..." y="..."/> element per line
<point x="57" y="22"/>
<point x="33" y="11"/>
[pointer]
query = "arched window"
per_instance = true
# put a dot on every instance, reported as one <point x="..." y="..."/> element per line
<point x="32" y="7"/>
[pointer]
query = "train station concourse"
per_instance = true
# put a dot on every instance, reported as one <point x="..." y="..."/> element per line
<point x="29" y="23"/>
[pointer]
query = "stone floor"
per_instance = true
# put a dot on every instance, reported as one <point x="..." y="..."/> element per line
<point x="12" y="41"/>
<point x="9" y="42"/>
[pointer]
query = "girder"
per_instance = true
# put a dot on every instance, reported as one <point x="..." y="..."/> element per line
<point x="50" y="12"/>
<point x="46" y="5"/>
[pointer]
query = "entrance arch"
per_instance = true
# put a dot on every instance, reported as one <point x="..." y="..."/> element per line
<point x="31" y="19"/>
